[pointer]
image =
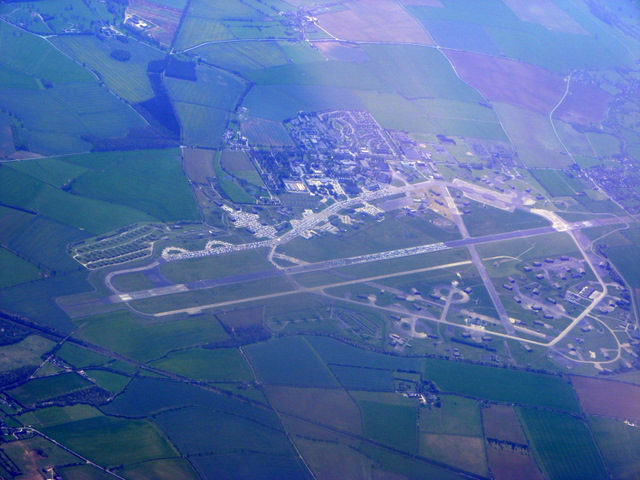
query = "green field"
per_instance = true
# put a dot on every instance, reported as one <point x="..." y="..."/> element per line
<point x="42" y="242"/>
<point x="218" y="266"/>
<point x="15" y="270"/>
<point x="617" y="442"/>
<point x="249" y="466"/>
<point x="40" y="389"/>
<point x="394" y="232"/>
<point x="140" y="339"/>
<point x="260" y="131"/>
<point x="486" y="220"/>
<point x="243" y="56"/>
<point x="456" y="416"/>
<point x="281" y="101"/>
<point x="533" y="137"/>
<point x="110" y="381"/>
<point x="79" y="357"/>
<point x="117" y="178"/>
<point x="161" y="470"/>
<point x="195" y="31"/>
<point x="57" y="16"/>
<point x="534" y="248"/>
<point x="239" y="165"/>
<point x="109" y="441"/>
<point x="289" y="361"/>
<point x="130" y="282"/>
<point x="58" y="104"/>
<point x="557" y="183"/>
<point x="228" y="185"/>
<point x="502" y="385"/>
<point x="233" y="433"/>
<point x="26" y="352"/>
<point x="433" y="115"/>
<point x="389" y="420"/>
<point x="97" y="216"/>
<point x="52" y="416"/>
<point x="127" y="79"/>
<point x="367" y="379"/>
<point x="562" y="445"/>
<point x="219" y="365"/>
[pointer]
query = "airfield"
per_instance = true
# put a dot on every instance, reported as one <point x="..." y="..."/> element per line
<point x="267" y="239"/>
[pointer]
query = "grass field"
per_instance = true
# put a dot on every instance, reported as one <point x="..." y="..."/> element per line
<point x="130" y="282"/>
<point x="80" y="357"/>
<point x="146" y="396"/>
<point x="122" y="332"/>
<point x="22" y="453"/>
<point x="35" y="299"/>
<point x="219" y="365"/>
<point x="281" y="101"/>
<point x="239" y="165"/>
<point x="433" y="115"/>
<point x="456" y="416"/>
<point x="265" y="132"/>
<point x="563" y="445"/>
<point x="248" y="466"/>
<point x="243" y="56"/>
<point x="627" y="260"/>
<point x="40" y="389"/>
<point x="418" y="72"/>
<point x="502" y="385"/>
<point x="196" y="31"/>
<point x="161" y="470"/>
<point x="52" y="416"/>
<point x="55" y="119"/>
<point x="485" y="220"/>
<point x="27" y="352"/>
<point x="502" y="422"/>
<point x="331" y="407"/>
<point x="617" y="443"/>
<point x="96" y="215"/>
<point x="213" y="88"/>
<point x="289" y="361"/>
<point x="553" y="182"/>
<point x="233" y="433"/>
<point x="202" y="126"/>
<point x="15" y="270"/>
<point x="228" y="185"/>
<point x="109" y="441"/>
<point x="335" y="352"/>
<point x="389" y="421"/>
<point x="55" y="172"/>
<point x="57" y="16"/>
<point x="466" y="453"/>
<point x="191" y="270"/>
<point x="536" y="248"/>
<point x="127" y="79"/>
<point x="117" y="177"/>
<point x="395" y="231"/>
<point x="113" y="382"/>
<point x="360" y="378"/>
<point x="533" y="137"/>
